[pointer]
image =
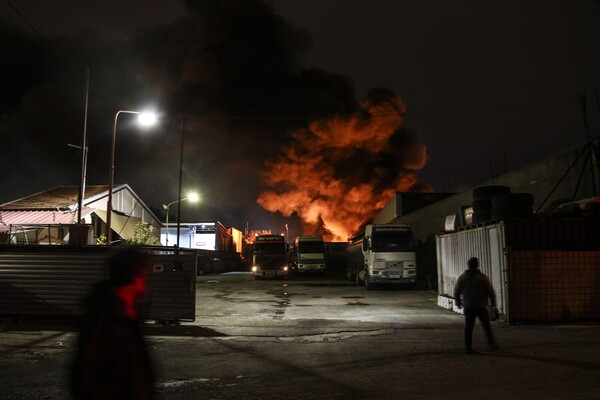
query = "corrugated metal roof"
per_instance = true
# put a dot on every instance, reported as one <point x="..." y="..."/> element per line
<point x="13" y="217"/>
<point x="60" y="197"/>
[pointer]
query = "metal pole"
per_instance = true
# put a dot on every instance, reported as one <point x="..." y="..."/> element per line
<point x="167" y="207"/>
<point x="111" y="181"/>
<point x="180" y="179"/>
<point x="111" y="177"/>
<point x="83" y="148"/>
<point x="590" y="141"/>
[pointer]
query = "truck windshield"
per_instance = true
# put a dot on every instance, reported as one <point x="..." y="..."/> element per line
<point x="311" y="247"/>
<point x="393" y="241"/>
<point x="269" y="248"/>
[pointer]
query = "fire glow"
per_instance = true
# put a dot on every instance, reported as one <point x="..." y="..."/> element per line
<point x="131" y="294"/>
<point x="339" y="172"/>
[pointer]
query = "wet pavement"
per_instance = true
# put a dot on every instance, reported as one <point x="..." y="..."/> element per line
<point x="321" y="338"/>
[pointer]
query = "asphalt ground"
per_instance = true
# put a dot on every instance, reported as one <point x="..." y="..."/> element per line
<point x="321" y="338"/>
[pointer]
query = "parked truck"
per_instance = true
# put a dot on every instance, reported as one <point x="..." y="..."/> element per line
<point x="308" y="254"/>
<point x="382" y="254"/>
<point x="269" y="256"/>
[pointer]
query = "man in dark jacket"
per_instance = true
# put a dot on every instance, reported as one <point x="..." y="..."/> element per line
<point x="475" y="288"/>
<point x="111" y="360"/>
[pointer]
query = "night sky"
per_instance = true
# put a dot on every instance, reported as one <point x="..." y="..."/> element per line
<point x="456" y="92"/>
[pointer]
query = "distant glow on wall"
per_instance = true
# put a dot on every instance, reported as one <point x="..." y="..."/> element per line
<point x="201" y="236"/>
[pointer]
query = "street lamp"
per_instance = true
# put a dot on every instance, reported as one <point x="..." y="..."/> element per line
<point x="192" y="197"/>
<point x="144" y="119"/>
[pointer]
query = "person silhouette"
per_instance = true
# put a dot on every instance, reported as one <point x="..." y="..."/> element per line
<point x="473" y="289"/>
<point x="111" y="361"/>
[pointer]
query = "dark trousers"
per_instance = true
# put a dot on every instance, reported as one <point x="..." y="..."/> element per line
<point x="470" y="315"/>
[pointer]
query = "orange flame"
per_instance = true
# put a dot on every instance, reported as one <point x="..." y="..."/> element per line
<point x="339" y="172"/>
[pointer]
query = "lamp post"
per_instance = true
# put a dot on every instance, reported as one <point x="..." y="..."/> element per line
<point x="193" y="197"/>
<point x="145" y="119"/>
<point x="180" y="178"/>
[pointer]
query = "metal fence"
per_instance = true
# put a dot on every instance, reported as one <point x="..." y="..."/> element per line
<point x="52" y="280"/>
<point x="552" y="286"/>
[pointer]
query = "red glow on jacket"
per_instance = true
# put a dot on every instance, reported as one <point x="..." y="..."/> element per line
<point x="131" y="294"/>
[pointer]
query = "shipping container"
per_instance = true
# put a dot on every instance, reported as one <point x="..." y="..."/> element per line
<point x="541" y="271"/>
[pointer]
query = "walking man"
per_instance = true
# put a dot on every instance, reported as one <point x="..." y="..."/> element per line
<point x="472" y="291"/>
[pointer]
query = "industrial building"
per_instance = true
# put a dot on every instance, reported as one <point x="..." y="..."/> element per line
<point x="543" y="263"/>
<point x="554" y="181"/>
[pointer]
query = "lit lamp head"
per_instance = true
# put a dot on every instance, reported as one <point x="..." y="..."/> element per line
<point x="144" y="119"/>
<point x="147" y="118"/>
<point x="193" y="197"/>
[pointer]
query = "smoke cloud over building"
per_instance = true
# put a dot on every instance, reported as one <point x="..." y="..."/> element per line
<point x="230" y="80"/>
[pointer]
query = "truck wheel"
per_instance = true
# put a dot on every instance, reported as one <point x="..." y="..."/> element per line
<point x="367" y="284"/>
<point x="349" y="276"/>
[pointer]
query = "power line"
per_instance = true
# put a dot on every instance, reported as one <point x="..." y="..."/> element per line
<point x="84" y="148"/>
<point x="492" y="108"/>
<point x="457" y="111"/>
<point x="45" y="39"/>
